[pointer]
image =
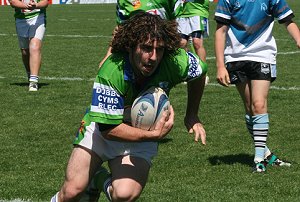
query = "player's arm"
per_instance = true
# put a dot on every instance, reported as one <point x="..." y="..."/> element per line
<point x="192" y="122"/>
<point x="291" y="27"/>
<point x="293" y="30"/>
<point x="124" y="132"/>
<point x="108" y="52"/>
<point x="30" y="5"/>
<point x="39" y="5"/>
<point x="220" y="37"/>
<point x="196" y="81"/>
<point x="18" y="4"/>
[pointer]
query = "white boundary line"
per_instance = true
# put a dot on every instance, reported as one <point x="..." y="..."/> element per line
<point x="66" y="36"/>
<point x="15" y="200"/>
<point x="293" y="88"/>
<point x="99" y="36"/>
<point x="102" y="36"/>
<point x="283" y="88"/>
<point x="279" y="53"/>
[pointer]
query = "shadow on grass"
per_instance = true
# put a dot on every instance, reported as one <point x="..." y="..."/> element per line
<point x="22" y="84"/>
<point x="245" y="159"/>
<point x="165" y="140"/>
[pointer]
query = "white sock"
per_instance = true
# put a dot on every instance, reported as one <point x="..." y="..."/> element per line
<point x="34" y="78"/>
<point x="55" y="198"/>
<point x="106" y="188"/>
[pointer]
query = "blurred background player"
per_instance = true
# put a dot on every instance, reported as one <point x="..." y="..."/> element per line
<point x="192" y="21"/>
<point x="244" y="30"/>
<point x="127" y="8"/>
<point x="145" y="53"/>
<point x="30" y="18"/>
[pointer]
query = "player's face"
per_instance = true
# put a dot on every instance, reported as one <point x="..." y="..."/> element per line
<point x="146" y="57"/>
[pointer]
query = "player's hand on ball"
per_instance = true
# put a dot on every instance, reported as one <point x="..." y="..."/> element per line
<point x="165" y="124"/>
<point x="195" y="127"/>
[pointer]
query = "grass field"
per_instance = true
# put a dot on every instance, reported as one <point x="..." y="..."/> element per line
<point x="38" y="128"/>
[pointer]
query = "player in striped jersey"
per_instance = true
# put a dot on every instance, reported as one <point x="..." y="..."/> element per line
<point x="246" y="56"/>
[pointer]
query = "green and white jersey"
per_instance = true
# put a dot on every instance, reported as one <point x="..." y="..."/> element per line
<point x="115" y="88"/>
<point x="163" y="8"/>
<point x="191" y="8"/>
<point x="27" y="14"/>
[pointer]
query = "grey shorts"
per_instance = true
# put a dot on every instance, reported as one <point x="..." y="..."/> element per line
<point x="30" y="28"/>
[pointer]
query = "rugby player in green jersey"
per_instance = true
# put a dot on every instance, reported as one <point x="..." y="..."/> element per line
<point x="30" y="25"/>
<point x="145" y="53"/>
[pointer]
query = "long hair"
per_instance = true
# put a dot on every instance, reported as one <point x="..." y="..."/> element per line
<point x="142" y="27"/>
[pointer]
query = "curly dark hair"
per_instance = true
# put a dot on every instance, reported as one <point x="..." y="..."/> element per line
<point x="143" y="26"/>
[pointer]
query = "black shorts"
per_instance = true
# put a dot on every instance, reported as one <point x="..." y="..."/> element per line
<point x="195" y="34"/>
<point x="241" y="71"/>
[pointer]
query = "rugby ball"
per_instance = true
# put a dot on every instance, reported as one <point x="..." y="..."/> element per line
<point x="148" y="108"/>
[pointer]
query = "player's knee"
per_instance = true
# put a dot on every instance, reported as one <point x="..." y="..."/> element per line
<point x="198" y="46"/>
<point x="35" y="46"/>
<point x="125" y="194"/>
<point x="69" y="193"/>
<point x="183" y="43"/>
<point x="259" y="107"/>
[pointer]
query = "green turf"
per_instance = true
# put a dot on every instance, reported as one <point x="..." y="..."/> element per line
<point x="38" y="128"/>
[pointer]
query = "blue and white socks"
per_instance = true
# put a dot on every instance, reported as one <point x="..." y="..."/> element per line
<point x="258" y="127"/>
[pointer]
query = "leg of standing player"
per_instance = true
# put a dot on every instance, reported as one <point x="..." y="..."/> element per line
<point x="254" y="95"/>
<point x="36" y="34"/>
<point x="199" y="46"/>
<point x="25" y="60"/>
<point x="200" y="30"/>
<point x="201" y="52"/>
<point x="35" y="58"/>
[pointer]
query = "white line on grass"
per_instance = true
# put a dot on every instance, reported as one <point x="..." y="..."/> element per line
<point x="77" y="36"/>
<point x="67" y="35"/>
<point x="293" y="88"/>
<point x="279" y="53"/>
<point x="102" y="36"/>
<point x="14" y="200"/>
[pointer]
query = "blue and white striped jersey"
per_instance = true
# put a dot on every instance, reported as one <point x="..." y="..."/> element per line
<point x="250" y="28"/>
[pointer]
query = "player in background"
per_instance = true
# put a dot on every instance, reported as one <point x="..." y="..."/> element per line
<point x="126" y="8"/>
<point x="30" y="18"/>
<point x="145" y="53"/>
<point x="192" y="21"/>
<point x="246" y="56"/>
